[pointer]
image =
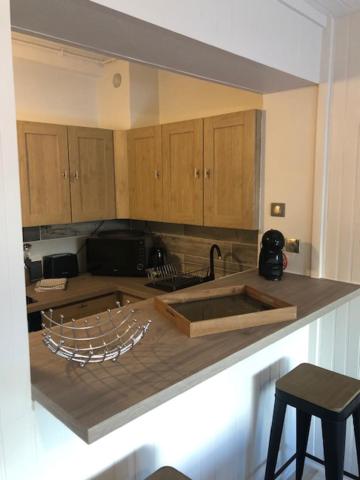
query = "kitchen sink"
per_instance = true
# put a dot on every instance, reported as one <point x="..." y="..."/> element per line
<point x="177" y="282"/>
<point x="168" y="279"/>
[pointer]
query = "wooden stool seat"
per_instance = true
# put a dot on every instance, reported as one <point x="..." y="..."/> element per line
<point x="167" y="473"/>
<point x="315" y="391"/>
<point x="324" y="388"/>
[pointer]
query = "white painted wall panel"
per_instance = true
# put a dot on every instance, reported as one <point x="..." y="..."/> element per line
<point x="16" y="433"/>
<point x="342" y="235"/>
<point x="335" y="344"/>
<point x="267" y="31"/>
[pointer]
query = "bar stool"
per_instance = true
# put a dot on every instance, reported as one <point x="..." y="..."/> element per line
<point x="167" y="473"/>
<point x="328" y="395"/>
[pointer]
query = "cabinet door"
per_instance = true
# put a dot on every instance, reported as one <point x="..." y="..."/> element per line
<point x="182" y="147"/>
<point x="92" y="177"/>
<point x="231" y="171"/>
<point x="145" y="173"/>
<point x="44" y="173"/>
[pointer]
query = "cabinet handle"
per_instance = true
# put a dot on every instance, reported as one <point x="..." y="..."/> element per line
<point x="207" y="173"/>
<point x="157" y="174"/>
<point x="196" y="173"/>
<point x="65" y="174"/>
<point x="83" y="305"/>
<point x="74" y="176"/>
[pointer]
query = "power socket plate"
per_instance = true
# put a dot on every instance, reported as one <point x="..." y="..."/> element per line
<point x="292" y="245"/>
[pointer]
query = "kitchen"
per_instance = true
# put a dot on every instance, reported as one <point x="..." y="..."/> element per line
<point x="279" y="109"/>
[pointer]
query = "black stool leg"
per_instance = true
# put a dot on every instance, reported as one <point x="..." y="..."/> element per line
<point x="302" y="435"/>
<point x="334" y="448"/>
<point x="356" y="421"/>
<point x="275" y="437"/>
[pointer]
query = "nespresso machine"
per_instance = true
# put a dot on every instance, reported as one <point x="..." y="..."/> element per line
<point x="272" y="259"/>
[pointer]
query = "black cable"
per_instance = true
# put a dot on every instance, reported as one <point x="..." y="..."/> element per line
<point x="91" y="234"/>
<point x="147" y="225"/>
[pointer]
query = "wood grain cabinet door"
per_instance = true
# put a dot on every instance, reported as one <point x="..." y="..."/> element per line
<point x="92" y="177"/>
<point x="145" y="173"/>
<point x="44" y="173"/>
<point x="182" y="148"/>
<point x="231" y="171"/>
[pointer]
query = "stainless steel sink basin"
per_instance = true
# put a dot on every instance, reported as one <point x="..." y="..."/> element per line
<point x="177" y="282"/>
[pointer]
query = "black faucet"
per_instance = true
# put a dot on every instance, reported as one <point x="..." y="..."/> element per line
<point x="214" y="247"/>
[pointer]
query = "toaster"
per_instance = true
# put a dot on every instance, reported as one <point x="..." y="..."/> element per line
<point x="60" y="265"/>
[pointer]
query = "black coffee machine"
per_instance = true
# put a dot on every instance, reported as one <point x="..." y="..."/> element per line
<point x="272" y="258"/>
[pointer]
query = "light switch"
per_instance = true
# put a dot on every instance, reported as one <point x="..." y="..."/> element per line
<point x="277" y="210"/>
<point x="292" y="245"/>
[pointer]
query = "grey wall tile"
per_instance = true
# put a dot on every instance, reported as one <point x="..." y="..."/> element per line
<point x="222" y="267"/>
<point x="31" y="234"/>
<point x="227" y="234"/>
<point x="169" y="228"/>
<point x="49" y="232"/>
<point x="244" y="254"/>
<point x="192" y="245"/>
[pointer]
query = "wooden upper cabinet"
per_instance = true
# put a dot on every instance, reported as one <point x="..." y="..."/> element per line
<point x="92" y="178"/>
<point x="182" y="148"/>
<point x="44" y="173"/>
<point x="231" y="176"/>
<point x="145" y="173"/>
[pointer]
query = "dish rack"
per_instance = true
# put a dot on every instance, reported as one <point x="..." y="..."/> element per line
<point x="168" y="278"/>
<point x="94" y="339"/>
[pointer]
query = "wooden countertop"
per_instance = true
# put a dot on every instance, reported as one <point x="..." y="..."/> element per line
<point x="99" y="398"/>
<point x="87" y="286"/>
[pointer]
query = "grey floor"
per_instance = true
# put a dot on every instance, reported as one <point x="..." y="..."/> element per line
<point x="311" y="472"/>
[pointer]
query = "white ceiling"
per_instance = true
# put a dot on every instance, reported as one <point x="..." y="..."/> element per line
<point x="336" y="8"/>
<point x="162" y="48"/>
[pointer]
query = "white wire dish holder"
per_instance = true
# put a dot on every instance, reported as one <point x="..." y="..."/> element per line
<point x="168" y="278"/>
<point x="94" y="339"/>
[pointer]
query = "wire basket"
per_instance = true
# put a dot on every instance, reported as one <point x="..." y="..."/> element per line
<point x="94" y="339"/>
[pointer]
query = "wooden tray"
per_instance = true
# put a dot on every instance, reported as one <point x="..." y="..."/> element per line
<point x="204" y="312"/>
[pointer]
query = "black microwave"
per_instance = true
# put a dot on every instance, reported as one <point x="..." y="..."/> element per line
<point x="119" y="253"/>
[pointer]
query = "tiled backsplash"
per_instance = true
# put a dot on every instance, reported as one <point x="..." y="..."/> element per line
<point x="67" y="238"/>
<point x="84" y="229"/>
<point x="188" y="246"/>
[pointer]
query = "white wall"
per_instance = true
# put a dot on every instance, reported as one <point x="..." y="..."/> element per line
<point x="334" y="344"/>
<point x="47" y="93"/>
<point x="342" y="229"/>
<point x="113" y="104"/>
<point x="183" y="98"/>
<point x="289" y="167"/>
<point x="267" y="31"/>
<point x="144" y="95"/>
<point x="17" y="438"/>
<point x="68" y="90"/>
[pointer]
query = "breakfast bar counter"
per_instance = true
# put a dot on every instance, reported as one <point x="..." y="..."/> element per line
<point x="99" y="398"/>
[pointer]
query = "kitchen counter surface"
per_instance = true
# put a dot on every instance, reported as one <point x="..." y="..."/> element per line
<point x="99" y="398"/>
<point x="87" y="286"/>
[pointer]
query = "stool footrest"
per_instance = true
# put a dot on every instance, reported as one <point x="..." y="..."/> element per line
<point x="314" y="459"/>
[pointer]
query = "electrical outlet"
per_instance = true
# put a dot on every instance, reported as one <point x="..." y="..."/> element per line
<point x="292" y="245"/>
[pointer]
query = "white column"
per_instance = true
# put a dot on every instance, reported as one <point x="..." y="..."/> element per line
<point x="16" y="432"/>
